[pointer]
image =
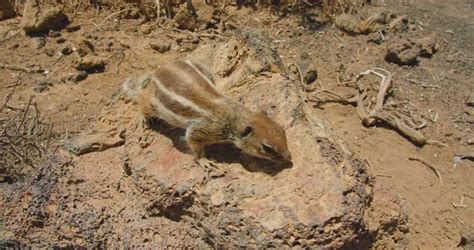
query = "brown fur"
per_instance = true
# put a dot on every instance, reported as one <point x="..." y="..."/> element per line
<point x="182" y="94"/>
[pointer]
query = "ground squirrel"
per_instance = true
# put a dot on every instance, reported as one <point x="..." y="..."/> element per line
<point x="183" y="94"/>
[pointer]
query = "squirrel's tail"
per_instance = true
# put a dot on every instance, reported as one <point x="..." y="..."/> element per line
<point x="132" y="86"/>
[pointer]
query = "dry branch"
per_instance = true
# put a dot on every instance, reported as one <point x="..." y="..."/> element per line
<point x="20" y="68"/>
<point x="404" y="121"/>
<point x="22" y="139"/>
<point x="429" y="165"/>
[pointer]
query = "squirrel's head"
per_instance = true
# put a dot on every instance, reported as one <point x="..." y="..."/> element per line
<point x="262" y="137"/>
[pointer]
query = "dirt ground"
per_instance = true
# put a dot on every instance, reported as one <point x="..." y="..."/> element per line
<point x="437" y="87"/>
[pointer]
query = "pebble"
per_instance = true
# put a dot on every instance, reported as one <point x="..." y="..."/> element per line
<point x="76" y="77"/>
<point x="161" y="47"/>
<point x="470" y="100"/>
<point x="43" y="85"/>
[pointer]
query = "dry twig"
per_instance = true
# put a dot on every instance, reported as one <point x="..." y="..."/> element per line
<point x="20" y="68"/>
<point x="429" y="165"/>
<point x="460" y="204"/>
<point x="404" y="121"/>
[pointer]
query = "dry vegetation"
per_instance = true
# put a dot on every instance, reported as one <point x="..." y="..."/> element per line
<point x="25" y="140"/>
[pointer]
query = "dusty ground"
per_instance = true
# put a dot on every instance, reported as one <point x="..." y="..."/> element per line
<point x="437" y="87"/>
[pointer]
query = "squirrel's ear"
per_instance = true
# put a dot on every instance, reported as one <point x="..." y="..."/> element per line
<point x="246" y="132"/>
<point x="264" y="112"/>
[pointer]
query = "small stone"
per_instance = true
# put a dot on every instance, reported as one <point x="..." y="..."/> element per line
<point x="73" y="28"/>
<point x="15" y="46"/>
<point x="91" y="64"/>
<point x="54" y="33"/>
<point x="403" y="52"/>
<point x="467" y="238"/>
<point x="39" y="42"/>
<point x="375" y="38"/>
<point x="43" y="85"/>
<point x="184" y="19"/>
<point x="195" y="40"/>
<point x="38" y="19"/>
<point x="66" y="50"/>
<point x="429" y="45"/>
<point x="310" y="76"/>
<point x="124" y="45"/>
<point x="49" y="51"/>
<point x="77" y="76"/>
<point x="60" y="40"/>
<point x="470" y="100"/>
<point x="84" y="47"/>
<point x="161" y="47"/>
<point x="146" y="29"/>
<point x="399" y="24"/>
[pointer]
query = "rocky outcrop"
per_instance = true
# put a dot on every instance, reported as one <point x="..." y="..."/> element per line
<point x="39" y="19"/>
<point x="150" y="192"/>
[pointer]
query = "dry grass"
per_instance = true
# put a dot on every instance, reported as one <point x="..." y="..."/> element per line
<point x="330" y="8"/>
<point x="24" y="140"/>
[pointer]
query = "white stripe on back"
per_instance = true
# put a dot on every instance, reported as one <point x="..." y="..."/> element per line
<point x="180" y="99"/>
<point x="211" y="83"/>
<point x="169" y="116"/>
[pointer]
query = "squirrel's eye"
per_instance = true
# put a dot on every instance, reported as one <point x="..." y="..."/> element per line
<point x="247" y="131"/>
<point x="268" y="149"/>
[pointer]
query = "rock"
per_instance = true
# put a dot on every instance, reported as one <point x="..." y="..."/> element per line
<point x="76" y="77"/>
<point x="403" y="52"/>
<point x="66" y="50"/>
<point x="467" y="238"/>
<point x="84" y="47"/>
<point x="235" y="201"/>
<point x="43" y="85"/>
<point x="39" y="42"/>
<point x="387" y="214"/>
<point x="470" y="100"/>
<point x="399" y="24"/>
<point x="146" y="29"/>
<point x="91" y="64"/>
<point x="375" y="38"/>
<point x="73" y="28"/>
<point x="428" y="45"/>
<point x="195" y="40"/>
<point x="310" y="76"/>
<point x="186" y="20"/>
<point x="6" y="10"/>
<point x="38" y="20"/>
<point x="60" y="40"/>
<point x="406" y="51"/>
<point x="54" y="33"/>
<point x="49" y="51"/>
<point x="161" y="47"/>
<point x="124" y="45"/>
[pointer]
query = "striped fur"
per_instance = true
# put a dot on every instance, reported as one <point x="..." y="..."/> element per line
<point x="184" y="95"/>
